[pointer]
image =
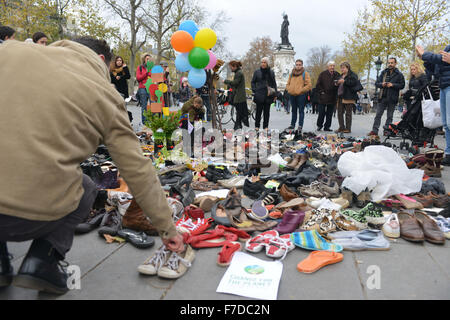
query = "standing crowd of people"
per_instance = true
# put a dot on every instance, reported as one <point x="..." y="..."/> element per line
<point x="45" y="194"/>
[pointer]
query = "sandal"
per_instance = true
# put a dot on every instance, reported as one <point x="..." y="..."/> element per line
<point x="246" y="223"/>
<point x="226" y="254"/>
<point x="319" y="259"/>
<point x="138" y="239"/>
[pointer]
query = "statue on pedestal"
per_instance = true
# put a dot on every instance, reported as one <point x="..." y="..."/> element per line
<point x="285" y="32"/>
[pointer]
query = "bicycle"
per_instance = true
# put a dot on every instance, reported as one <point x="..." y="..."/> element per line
<point x="223" y="106"/>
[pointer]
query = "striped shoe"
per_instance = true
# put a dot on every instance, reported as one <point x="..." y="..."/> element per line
<point x="312" y="240"/>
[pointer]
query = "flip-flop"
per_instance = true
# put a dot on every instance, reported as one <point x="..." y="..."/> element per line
<point x="138" y="239"/>
<point x="319" y="259"/>
<point x="312" y="240"/>
<point x="226" y="254"/>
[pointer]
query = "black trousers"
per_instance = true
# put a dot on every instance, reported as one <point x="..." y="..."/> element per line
<point x="241" y="115"/>
<point x="59" y="233"/>
<point x="325" y="113"/>
<point x="260" y="107"/>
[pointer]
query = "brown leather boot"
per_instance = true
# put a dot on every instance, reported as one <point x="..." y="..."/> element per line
<point x="302" y="160"/>
<point x="294" y="162"/>
<point x="135" y="219"/>
<point x="287" y="194"/>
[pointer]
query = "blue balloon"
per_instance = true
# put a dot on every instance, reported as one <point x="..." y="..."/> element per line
<point x="190" y="27"/>
<point x="197" y="78"/>
<point x="182" y="62"/>
<point x="157" y="69"/>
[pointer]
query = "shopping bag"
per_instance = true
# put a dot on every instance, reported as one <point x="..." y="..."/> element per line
<point x="431" y="112"/>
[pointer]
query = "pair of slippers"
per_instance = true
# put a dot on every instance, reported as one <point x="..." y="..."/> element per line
<point x="139" y="240"/>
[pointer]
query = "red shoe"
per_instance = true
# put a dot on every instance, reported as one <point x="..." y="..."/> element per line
<point x="373" y="133"/>
<point x="193" y="226"/>
<point x="256" y="244"/>
<point x="279" y="247"/>
<point x="194" y="212"/>
<point x="227" y="253"/>
<point x="243" y="236"/>
<point x="212" y="239"/>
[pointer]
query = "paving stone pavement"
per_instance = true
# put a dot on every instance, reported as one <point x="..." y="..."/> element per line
<point x="108" y="271"/>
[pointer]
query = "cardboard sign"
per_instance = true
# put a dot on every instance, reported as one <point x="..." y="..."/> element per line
<point x="156" y="107"/>
<point x="157" y="77"/>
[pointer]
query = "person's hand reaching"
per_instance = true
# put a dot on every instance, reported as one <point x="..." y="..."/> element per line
<point x="175" y="244"/>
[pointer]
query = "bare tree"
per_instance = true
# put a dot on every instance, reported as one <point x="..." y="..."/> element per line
<point x="132" y="13"/>
<point x="259" y="48"/>
<point x="317" y="60"/>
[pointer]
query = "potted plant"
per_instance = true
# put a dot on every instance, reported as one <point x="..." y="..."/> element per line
<point x="163" y="128"/>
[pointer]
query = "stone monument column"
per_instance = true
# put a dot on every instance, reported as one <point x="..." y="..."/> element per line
<point x="284" y="57"/>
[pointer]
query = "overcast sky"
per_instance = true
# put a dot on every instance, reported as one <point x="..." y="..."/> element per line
<point x="313" y="23"/>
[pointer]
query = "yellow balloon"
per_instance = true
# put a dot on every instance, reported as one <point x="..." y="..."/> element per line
<point x="163" y="87"/>
<point x="205" y="38"/>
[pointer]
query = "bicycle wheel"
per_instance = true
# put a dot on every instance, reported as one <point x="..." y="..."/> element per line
<point x="224" y="114"/>
<point x="252" y="111"/>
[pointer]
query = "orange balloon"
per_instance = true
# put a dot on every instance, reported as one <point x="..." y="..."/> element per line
<point x="182" y="41"/>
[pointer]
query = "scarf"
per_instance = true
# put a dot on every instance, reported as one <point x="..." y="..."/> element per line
<point x="296" y="73"/>
<point x="116" y="71"/>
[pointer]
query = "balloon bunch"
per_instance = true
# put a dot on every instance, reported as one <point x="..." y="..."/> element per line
<point x="195" y="55"/>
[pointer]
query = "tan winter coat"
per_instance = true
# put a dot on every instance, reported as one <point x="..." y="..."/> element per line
<point x="296" y="86"/>
<point x="56" y="106"/>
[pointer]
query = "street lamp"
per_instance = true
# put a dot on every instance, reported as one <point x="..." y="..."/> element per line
<point x="378" y="65"/>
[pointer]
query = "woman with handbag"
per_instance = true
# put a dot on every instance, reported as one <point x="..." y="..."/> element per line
<point x="349" y="86"/>
<point x="264" y="87"/>
<point x="417" y="81"/>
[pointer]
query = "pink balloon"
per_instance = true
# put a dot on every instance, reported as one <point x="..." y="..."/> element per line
<point x="212" y="60"/>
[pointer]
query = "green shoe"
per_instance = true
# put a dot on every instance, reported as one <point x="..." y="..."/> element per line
<point x="373" y="214"/>
<point x="357" y="218"/>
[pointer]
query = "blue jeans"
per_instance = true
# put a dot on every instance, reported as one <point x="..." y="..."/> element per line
<point x="298" y="105"/>
<point x="445" y="113"/>
<point x="143" y="101"/>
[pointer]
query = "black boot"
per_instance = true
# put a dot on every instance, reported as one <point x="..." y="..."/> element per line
<point x="6" y="270"/>
<point x="446" y="161"/>
<point x="41" y="269"/>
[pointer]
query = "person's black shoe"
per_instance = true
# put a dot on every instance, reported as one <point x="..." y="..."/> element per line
<point x="216" y="173"/>
<point x="319" y="128"/>
<point x="446" y="161"/>
<point x="290" y="128"/>
<point x="254" y="190"/>
<point x="6" y="270"/>
<point x="328" y="130"/>
<point x="42" y="269"/>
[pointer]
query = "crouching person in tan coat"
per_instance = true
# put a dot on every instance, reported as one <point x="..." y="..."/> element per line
<point x="68" y="107"/>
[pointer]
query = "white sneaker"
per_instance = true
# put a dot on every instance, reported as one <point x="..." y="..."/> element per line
<point x="391" y="228"/>
<point x="177" y="265"/>
<point x="151" y="266"/>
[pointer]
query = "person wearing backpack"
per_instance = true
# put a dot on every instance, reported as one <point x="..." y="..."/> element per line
<point x="298" y="86"/>
<point x="142" y="75"/>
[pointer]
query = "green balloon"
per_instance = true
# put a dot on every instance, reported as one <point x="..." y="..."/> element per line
<point x="198" y="58"/>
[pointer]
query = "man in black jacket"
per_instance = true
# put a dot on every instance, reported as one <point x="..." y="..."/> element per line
<point x="390" y="81"/>
<point x="327" y="91"/>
